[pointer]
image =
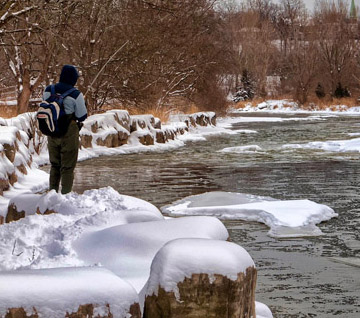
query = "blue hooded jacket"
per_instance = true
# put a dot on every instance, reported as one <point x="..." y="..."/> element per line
<point x="75" y="102"/>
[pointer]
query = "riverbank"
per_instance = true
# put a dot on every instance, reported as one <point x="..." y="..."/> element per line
<point x="53" y="238"/>
<point x="261" y="170"/>
<point x="23" y="148"/>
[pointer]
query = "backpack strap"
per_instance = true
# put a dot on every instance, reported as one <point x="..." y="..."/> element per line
<point x="52" y="87"/>
<point x="68" y="92"/>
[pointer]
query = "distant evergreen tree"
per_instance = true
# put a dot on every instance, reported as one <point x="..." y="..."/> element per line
<point x="319" y="91"/>
<point x="341" y="92"/>
<point x="246" y="90"/>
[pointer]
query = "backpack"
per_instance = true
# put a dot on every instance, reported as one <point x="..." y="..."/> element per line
<point x="51" y="116"/>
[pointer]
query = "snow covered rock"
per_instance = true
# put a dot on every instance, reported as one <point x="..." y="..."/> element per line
<point x="26" y="204"/>
<point x="201" y="278"/>
<point x="15" y="157"/>
<point x="200" y="119"/>
<point x="110" y="129"/>
<point x="146" y="128"/>
<point x="160" y="137"/>
<point x="66" y="292"/>
<point x="169" y="133"/>
<point x="143" y="121"/>
<point x="129" y="249"/>
<point x="288" y="218"/>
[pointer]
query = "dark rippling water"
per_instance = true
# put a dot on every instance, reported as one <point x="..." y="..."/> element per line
<point x="304" y="277"/>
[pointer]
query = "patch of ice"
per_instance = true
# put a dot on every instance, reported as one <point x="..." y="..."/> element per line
<point x="289" y="218"/>
<point x="242" y="149"/>
<point x="246" y="131"/>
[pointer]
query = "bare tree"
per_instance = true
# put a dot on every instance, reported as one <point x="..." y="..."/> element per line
<point x="337" y="44"/>
<point x="30" y="40"/>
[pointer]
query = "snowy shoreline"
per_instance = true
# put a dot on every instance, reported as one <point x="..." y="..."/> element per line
<point x="90" y="230"/>
<point x="115" y="132"/>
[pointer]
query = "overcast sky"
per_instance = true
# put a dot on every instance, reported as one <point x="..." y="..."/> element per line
<point x="310" y="3"/>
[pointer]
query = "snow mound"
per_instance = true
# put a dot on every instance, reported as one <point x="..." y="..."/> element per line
<point x="183" y="257"/>
<point x="128" y="250"/>
<point x="44" y="241"/>
<point x="242" y="149"/>
<point x="289" y="218"/>
<point x="53" y="292"/>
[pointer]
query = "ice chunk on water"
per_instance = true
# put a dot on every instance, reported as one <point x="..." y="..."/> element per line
<point x="242" y="149"/>
<point x="290" y="218"/>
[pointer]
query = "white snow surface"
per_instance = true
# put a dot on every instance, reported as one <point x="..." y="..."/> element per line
<point x="128" y="250"/>
<point x="290" y="106"/>
<point x="286" y="218"/>
<point x="45" y="241"/>
<point x="262" y="311"/>
<point x="183" y="257"/>
<point x="242" y="149"/>
<point x="350" y="145"/>
<point x="53" y="292"/>
<point x="8" y="135"/>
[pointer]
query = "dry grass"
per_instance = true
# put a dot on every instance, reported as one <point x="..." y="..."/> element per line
<point x="162" y="114"/>
<point x="7" y="111"/>
<point x="252" y="103"/>
<point x="313" y="103"/>
<point x="328" y="103"/>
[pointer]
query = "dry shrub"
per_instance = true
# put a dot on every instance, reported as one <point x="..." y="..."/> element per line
<point x="315" y="103"/>
<point x="253" y="103"/>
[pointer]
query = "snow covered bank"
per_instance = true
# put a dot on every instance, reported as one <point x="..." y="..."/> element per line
<point x="128" y="250"/>
<point x="23" y="148"/>
<point x="45" y="241"/>
<point x="17" y="170"/>
<point x="100" y="226"/>
<point x="287" y="105"/>
<point x="57" y="292"/>
<point x="43" y="256"/>
<point x="290" y="218"/>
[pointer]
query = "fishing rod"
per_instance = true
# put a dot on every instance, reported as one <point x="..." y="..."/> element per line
<point x="103" y="67"/>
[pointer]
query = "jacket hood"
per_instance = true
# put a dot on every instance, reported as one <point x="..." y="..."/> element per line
<point x="69" y="75"/>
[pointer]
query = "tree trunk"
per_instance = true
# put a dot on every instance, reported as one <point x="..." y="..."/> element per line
<point x="23" y="99"/>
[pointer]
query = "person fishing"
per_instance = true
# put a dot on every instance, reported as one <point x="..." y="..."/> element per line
<point x="63" y="149"/>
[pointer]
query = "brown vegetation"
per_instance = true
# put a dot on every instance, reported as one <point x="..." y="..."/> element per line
<point x="147" y="55"/>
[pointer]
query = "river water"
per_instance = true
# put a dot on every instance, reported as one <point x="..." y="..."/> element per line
<point x="303" y="277"/>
